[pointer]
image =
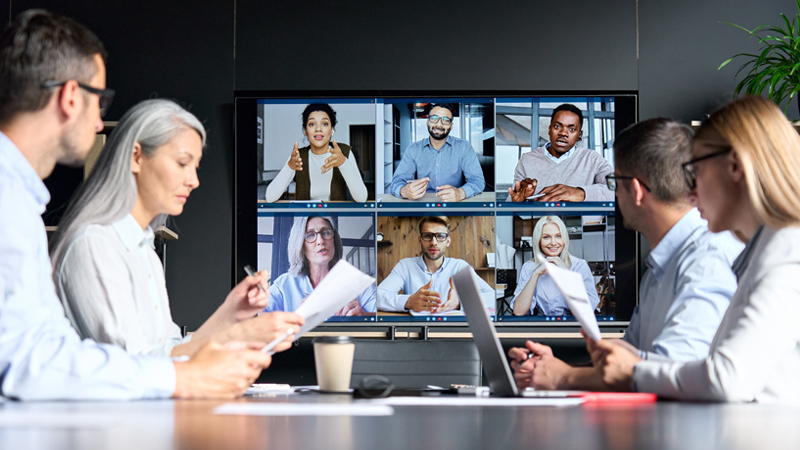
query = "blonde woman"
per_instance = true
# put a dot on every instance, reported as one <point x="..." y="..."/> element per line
<point x="536" y="291"/>
<point x="744" y="177"/>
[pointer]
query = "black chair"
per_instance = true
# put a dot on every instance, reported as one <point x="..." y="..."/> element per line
<point x="417" y="364"/>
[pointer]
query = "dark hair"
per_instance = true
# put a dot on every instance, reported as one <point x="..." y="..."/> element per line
<point x="448" y="106"/>
<point x="653" y="150"/>
<point x="441" y="220"/>
<point x="41" y="46"/>
<point x="569" y="108"/>
<point x="324" y="107"/>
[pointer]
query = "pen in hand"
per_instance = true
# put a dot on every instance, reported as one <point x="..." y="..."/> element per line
<point x="250" y="272"/>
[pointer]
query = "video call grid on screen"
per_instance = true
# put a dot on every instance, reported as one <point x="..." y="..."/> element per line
<point x="495" y="204"/>
<point x="493" y="143"/>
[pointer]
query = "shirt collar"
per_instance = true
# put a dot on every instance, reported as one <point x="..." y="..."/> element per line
<point x="447" y="141"/>
<point x="563" y="157"/>
<point x="743" y="260"/>
<point x="132" y="235"/>
<point x="424" y="268"/>
<point x="20" y="167"/>
<point x="679" y="234"/>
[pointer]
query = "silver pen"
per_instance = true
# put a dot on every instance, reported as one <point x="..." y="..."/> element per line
<point x="250" y="272"/>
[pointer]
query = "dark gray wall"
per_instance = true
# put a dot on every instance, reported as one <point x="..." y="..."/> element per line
<point x="185" y="50"/>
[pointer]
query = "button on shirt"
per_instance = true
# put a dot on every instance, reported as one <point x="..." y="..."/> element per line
<point x="547" y="295"/>
<point x="41" y="355"/>
<point x="449" y="165"/>
<point x="410" y="274"/>
<point x="113" y="289"/>
<point x="685" y="292"/>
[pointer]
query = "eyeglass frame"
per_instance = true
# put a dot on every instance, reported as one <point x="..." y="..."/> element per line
<point x="104" y="94"/>
<point x="690" y="171"/>
<point x="622" y="177"/>
<point x="318" y="233"/>
<point x="434" y="236"/>
<point x="440" y="119"/>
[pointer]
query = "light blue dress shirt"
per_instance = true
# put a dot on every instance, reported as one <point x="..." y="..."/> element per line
<point x="410" y="274"/>
<point x="452" y="163"/>
<point x="685" y="293"/>
<point x="41" y="355"/>
<point x="547" y="295"/>
<point x="288" y="291"/>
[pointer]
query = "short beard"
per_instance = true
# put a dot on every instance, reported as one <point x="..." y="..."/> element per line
<point x="425" y="255"/>
<point x="68" y="153"/>
<point x="439" y="137"/>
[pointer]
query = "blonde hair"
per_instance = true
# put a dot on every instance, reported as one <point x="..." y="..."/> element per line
<point x="537" y="239"/>
<point x="769" y="149"/>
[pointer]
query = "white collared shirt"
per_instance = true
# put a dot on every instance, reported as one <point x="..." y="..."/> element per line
<point x="41" y="356"/>
<point x="113" y="289"/>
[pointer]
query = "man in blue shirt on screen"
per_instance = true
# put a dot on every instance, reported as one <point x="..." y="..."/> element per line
<point x="441" y="164"/>
<point x="52" y="94"/>
<point x="689" y="282"/>
<point x="427" y="280"/>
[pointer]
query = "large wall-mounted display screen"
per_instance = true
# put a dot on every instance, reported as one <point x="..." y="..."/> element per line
<point x="412" y="188"/>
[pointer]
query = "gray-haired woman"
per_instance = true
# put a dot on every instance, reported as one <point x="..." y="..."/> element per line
<point x="105" y="268"/>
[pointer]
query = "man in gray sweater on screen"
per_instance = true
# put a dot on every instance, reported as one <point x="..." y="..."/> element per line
<point x="560" y="171"/>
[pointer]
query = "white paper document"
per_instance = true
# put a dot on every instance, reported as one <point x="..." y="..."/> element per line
<point x="455" y="312"/>
<point x="342" y="284"/>
<point x="304" y="409"/>
<point x="446" y="400"/>
<point x="574" y="291"/>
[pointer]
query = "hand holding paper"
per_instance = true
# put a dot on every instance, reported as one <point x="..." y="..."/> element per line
<point x="572" y="288"/>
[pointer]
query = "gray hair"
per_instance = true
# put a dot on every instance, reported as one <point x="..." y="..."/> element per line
<point x="109" y="193"/>
<point x="653" y="150"/>
<point x="298" y="262"/>
<point x="40" y="46"/>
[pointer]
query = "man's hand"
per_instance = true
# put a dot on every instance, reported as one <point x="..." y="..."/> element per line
<point x="352" y="308"/>
<point x="424" y="299"/>
<point x="452" y="303"/>
<point x="549" y="372"/>
<point x="524" y="360"/>
<point x="449" y="193"/>
<point x="522" y="190"/>
<point x="295" y="163"/>
<point x="415" y="189"/>
<point x="617" y="365"/>
<point x="336" y="159"/>
<point x="265" y="328"/>
<point x="220" y="372"/>
<point x="246" y="299"/>
<point x="562" y="193"/>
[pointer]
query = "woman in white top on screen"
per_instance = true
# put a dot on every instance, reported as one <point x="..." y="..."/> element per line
<point x="332" y="169"/>
<point x="314" y="247"/>
<point x="106" y="271"/>
<point x="535" y="289"/>
<point x="744" y="177"/>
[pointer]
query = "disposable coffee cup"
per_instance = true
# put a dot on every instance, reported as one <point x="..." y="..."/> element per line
<point x="333" y="357"/>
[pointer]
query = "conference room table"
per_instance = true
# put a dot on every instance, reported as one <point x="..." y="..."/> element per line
<point x="167" y="424"/>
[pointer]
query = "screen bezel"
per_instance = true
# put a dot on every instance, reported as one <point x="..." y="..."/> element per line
<point x="244" y="187"/>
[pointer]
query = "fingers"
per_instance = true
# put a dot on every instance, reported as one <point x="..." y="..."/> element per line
<point x="427" y="285"/>
<point x="335" y="146"/>
<point x="289" y="318"/>
<point x="243" y="345"/>
<point x="254" y="358"/>
<point x="539" y="349"/>
<point x="518" y="354"/>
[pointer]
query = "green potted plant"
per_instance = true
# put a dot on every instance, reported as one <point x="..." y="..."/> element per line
<point x="776" y="69"/>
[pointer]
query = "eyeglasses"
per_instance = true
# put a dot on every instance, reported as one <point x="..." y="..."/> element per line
<point x="690" y="168"/>
<point x="106" y="95"/>
<point x="444" y="119"/>
<point x="611" y="182"/>
<point x="440" y="237"/>
<point x="311" y="236"/>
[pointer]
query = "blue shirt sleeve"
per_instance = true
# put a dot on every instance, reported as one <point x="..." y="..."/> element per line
<point x="405" y="170"/>
<point x="473" y="174"/>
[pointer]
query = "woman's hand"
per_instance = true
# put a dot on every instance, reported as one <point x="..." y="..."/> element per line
<point x="295" y="163"/>
<point x="558" y="262"/>
<point x="246" y="299"/>
<point x="352" y="308"/>
<point x="336" y="159"/>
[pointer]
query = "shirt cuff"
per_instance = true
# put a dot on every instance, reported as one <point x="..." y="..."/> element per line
<point x="158" y="377"/>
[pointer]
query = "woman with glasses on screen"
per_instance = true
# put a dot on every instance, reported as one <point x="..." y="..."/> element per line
<point x="314" y="247"/>
<point x="324" y="169"/>
<point x="105" y="268"/>
<point x="744" y="176"/>
<point x="536" y="292"/>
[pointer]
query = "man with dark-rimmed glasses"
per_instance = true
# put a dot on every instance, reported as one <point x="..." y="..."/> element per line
<point x="426" y="280"/>
<point x="688" y="283"/>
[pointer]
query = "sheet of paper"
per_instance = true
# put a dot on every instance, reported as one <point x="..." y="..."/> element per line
<point x="446" y="313"/>
<point x="448" y="400"/>
<point x="574" y="291"/>
<point x="342" y="284"/>
<point x="304" y="409"/>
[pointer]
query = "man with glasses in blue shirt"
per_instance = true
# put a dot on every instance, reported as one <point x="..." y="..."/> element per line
<point x="688" y="283"/>
<point x="52" y="95"/>
<point x="426" y="280"/>
<point x="440" y="163"/>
